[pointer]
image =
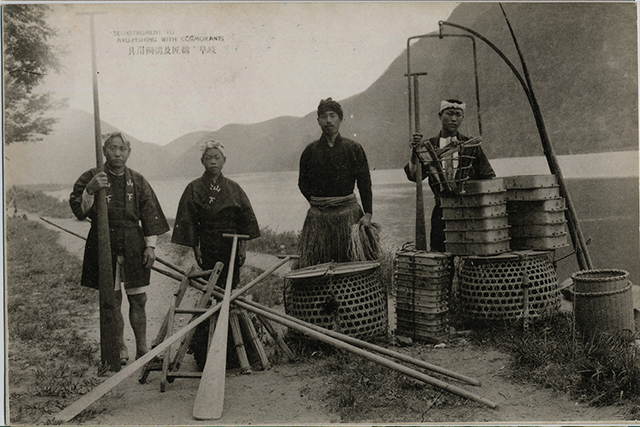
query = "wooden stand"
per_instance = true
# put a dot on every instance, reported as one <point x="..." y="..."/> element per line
<point x="239" y="322"/>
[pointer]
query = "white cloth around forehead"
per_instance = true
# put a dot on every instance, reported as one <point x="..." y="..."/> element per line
<point x="213" y="144"/>
<point x="446" y="104"/>
<point x="108" y="136"/>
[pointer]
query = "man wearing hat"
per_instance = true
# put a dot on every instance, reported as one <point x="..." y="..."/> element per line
<point x="329" y="170"/>
<point x="470" y="162"/>
<point x="135" y="221"/>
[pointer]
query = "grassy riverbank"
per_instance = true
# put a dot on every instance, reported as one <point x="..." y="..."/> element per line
<point x="51" y="362"/>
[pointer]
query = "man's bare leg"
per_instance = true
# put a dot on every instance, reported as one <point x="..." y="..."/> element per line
<point x="124" y="353"/>
<point x="138" y="319"/>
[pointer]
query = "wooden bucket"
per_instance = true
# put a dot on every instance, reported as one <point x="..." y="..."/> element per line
<point x="603" y="302"/>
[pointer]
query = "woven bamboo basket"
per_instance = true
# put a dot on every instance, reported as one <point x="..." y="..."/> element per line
<point x="603" y="302"/>
<point x="345" y="297"/>
<point x="491" y="288"/>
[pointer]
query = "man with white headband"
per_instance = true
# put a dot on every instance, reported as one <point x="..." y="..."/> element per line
<point x="135" y="221"/>
<point x="469" y="163"/>
<point x="210" y="206"/>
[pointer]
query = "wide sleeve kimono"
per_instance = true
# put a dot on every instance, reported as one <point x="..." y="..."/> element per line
<point x="141" y="216"/>
<point x="209" y="208"/>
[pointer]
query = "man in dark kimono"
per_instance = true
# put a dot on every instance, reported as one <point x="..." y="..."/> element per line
<point x="210" y="206"/>
<point x="135" y="221"/>
<point x="330" y="168"/>
<point x="469" y="163"/>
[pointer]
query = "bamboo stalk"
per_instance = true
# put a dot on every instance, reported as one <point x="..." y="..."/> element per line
<point x="374" y="357"/>
<point x="255" y="340"/>
<point x="241" y="351"/>
<point x="277" y="337"/>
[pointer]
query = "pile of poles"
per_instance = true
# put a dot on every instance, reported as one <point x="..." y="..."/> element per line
<point x="344" y="342"/>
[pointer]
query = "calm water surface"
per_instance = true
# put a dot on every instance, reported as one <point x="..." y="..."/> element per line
<point x="603" y="187"/>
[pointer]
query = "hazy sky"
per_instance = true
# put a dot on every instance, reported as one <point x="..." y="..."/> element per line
<point x="246" y="62"/>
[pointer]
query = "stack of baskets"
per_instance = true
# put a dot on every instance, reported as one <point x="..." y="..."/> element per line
<point x="423" y="283"/>
<point x="476" y="221"/>
<point x="536" y="212"/>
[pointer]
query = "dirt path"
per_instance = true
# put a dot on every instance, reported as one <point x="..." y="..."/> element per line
<point x="290" y="394"/>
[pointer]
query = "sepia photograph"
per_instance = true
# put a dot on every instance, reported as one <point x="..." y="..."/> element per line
<point x="321" y="213"/>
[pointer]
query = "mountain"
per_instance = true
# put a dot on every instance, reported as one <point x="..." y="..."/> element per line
<point x="70" y="150"/>
<point x="581" y="57"/>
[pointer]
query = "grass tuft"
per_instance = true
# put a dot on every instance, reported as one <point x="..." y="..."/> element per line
<point x="35" y="201"/>
<point x="602" y="370"/>
<point x="274" y="242"/>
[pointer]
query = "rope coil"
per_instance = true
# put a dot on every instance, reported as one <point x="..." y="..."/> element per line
<point x="601" y="294"/>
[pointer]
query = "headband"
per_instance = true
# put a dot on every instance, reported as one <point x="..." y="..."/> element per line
<point x="446" y="104"/>
<point x="107" y="136"/>
<point x="212" y="143"/>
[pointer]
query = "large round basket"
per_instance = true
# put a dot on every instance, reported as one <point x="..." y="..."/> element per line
<point x="345" y="297"/>
<point x="493" y="288"/>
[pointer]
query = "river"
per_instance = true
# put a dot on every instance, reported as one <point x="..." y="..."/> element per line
<point x="603" y="187"/>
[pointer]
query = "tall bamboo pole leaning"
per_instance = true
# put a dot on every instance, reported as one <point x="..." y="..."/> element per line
<point x="109" y="351"/>
<point x="577" y="237"/>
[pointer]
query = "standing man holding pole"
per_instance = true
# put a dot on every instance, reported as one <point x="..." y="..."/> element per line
<point x="134" y="220"/>
<point x="469" y="163"/>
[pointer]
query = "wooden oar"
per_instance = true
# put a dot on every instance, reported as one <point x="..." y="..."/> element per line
<point x="79" y="405"/>
<point x="210" y="398"/>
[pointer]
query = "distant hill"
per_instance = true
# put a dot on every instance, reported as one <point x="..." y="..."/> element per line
<point x="582" y="59"/>
<point x="69" y="151"/>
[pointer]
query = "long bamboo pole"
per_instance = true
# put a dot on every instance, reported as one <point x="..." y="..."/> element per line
<point x="577" y="237"/>
<point x="575" y="231"/>
<point x="109" y="351"/>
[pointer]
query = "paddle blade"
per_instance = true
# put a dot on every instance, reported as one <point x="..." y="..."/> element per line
<point x="210" y="398"/>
